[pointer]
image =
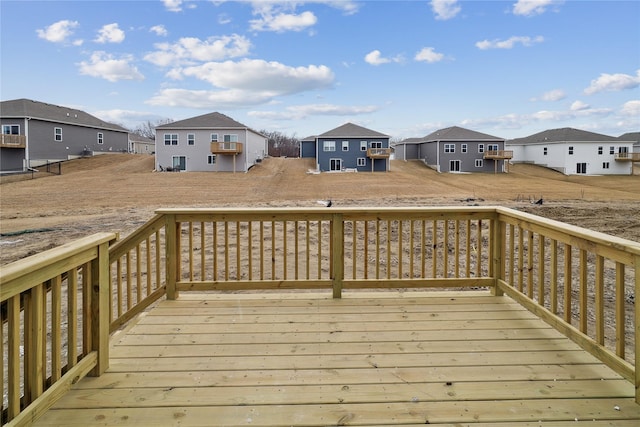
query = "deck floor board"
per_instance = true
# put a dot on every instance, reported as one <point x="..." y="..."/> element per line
<point x="368" y="359"/>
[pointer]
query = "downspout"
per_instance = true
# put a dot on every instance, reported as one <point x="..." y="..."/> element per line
<point x="438" y="155"/>
<point x="27" y="160"/>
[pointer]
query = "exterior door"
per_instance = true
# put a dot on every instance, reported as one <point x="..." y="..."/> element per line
<point x="180" y="162"/>
<point x="581" y="168"/>
<point x="454" y="165"/>
<point x="335" y="164"/>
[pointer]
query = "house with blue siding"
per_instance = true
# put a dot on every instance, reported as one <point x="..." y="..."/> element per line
<point x="455" y="149"/>
<point x="348" y="147"/>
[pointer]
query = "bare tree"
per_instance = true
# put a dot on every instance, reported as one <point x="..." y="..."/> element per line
<point x="148" y="128"/>
<point x="281" y="145"/>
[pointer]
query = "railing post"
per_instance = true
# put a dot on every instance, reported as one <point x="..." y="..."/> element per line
<point x="636" y="267"/>
<point x="172" y="258"/>
<point x="498" y="251"/>
<point x="100" y="319"/>
<point x="337" y="257"/>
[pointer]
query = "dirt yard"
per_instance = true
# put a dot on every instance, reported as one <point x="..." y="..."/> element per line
<point x="119" y="192"/>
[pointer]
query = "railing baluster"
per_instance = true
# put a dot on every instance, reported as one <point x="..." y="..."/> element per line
<point x="599" y="297"/>
<point x="541" y="269"/>
<point x="568" y="270"/>
<point x="72" y="318"/>
<point x="434" y="251"/>
<point x="583" y="291"/>
<point x="203" y="252"/>
<point x="13" y="357"/>
<point x="445" y="249"/>
<point x="620" y="310"/>
<point x="520" y="259"/>
<point x="56" y="319"/>
<point x="553" y="294"/>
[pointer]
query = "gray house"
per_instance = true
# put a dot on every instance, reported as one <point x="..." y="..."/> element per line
<point x="456" y="149"/>
<point x="34" y="133"/>
<point x="348" y="147"/>
<point x="139" y="144"/>
<point x="212" y="142"/>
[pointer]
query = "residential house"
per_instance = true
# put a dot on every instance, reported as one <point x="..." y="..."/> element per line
<point x="456" y="149"/>
<point x="139" y="144"/>
<point x="632" y="136"/>
<point x="574" y="151"/>
<point x="34" y="133"/>
<point x="211" y="142"/>
<point x="348" y="147"/>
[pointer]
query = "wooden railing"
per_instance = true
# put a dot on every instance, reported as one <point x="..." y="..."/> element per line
<point x="379" y="152"/>
<point x="226" y="147"/>
<point x="560" y="272"/>
<point x="629" y="157"/>
<point x="13" y="141"/>
<point x="498" y="154"/>
<point x="54" y="325"/>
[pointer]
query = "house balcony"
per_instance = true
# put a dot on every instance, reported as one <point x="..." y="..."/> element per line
<point x="627" y="157"/>
<point x="498" y="154"/>
<point x="315" y="316"/>
<point x="226" y="148"/>
<point x="379" y="153"/>
<point x="13" y="141"/>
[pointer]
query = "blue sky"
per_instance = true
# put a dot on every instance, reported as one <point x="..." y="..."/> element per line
<point x="404" y="68"/>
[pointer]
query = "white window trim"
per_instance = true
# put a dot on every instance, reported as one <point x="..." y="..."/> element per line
<point x="214" y="137"/>
<point x="171" y="135"/>
<point x="362" y="161"/>
<point x="479" y="163"/>
<point x="100" y="137"/>
<point x="363" y="145"/>
<point x="57" y="136"/>
<point x="191" y="139"/>
<point x="232" y="137"/>
<point x="480" y="148"/>
<point x="345" y="145"/>
<point x="449" y="148"/>
<point x="328" y="146"/>
<point x="463" y="148"/>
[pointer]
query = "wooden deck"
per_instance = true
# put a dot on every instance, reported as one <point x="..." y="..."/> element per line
<point x="370" y="358"/>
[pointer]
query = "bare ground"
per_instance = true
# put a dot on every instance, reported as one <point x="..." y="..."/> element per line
<point x="119" y="192"/>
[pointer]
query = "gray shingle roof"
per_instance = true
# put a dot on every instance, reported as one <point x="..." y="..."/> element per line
<point x="349" y="130"/>
<point x="562" y="135"/>
<point x="21" y="108"/>
<point x="206" y="121"/>
<point x="631" y="136"/>
<point x="455" y="133"/>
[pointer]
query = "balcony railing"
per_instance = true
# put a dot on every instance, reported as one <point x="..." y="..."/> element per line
<point x="378" y="153"/>
<point x="627" y="157"/>
<point x="498" y="154"/>
<point x="557" y="271"/>
<point x="13" y="141"/>
<point x="226" y="148"/>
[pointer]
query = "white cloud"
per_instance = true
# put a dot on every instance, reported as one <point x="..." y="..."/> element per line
<point x="375" y="58"/>
<point x="631" y="108"/>
<point x="105" y="66"/>
<point x="428" y="54"/>
<point x="613" y="83"/>
<point x="302" y="111"/>
<point x="127" y="118"/>
<point x="533" y="7"/>
<point x="173" y="5"/>
<point x="445" y="9"/>
<point x="190" y="49"/>
<point x="110" y="33"/>
<point x="262" y="76"/>
<point x="284" y="22"/>
<point x="579" y="106"/>
<point x="208" y="99"/>
<point x="58" y="32"/>
<point x="159" y="30"/>
<point x="509" y="43"/>
<point x="552" y="95"/>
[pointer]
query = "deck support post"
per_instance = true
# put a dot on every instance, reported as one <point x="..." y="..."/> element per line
<point x="498" y="253"/>
<point x="172" y="248"/>
<point x="100" y="316"/>
<point x="636" y="267"/>
<point x="337" y="257"/>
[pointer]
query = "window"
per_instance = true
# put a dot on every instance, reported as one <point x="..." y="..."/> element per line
<point x="345" y="145"/>
<point x="211" y="159"/>
<point x="570" y="150"/>
<point x="600" y="150"/>
<point x="362" y="161"/>
<point x="479" y="163"/>
<point x="214" y="137"/>
<point x="480" y="148"/>
<point x="581" y="168"/>
<point x="612" y="150"/>
<point x="463" y="148"/>
<point x="545" y="150"/>
<point x="179" y="163"/>
<point x="11" y="129"/>
<point x="329" y="146"/>
<point x="375" y="144"/>
<point x="231" y="138"/>
<point x="100" y="138"/>
<point x="191" y="139"/>
<point x="605" y="165"/>
<point x="363" y="145"/>
<point x="492" y="147"/>
<point x="57" y="134"/>
<point x="170" y="139"/>
<point x="449" y="148"/>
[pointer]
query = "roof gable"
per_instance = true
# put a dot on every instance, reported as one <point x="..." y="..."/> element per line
<point x="455" y="133"/>
<point x="206" y="121"/>
<point x="630" y="136"/>
<point x="350" y="130"/>
<point x="563" y="135"/>
<point x="19" y="108"/>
